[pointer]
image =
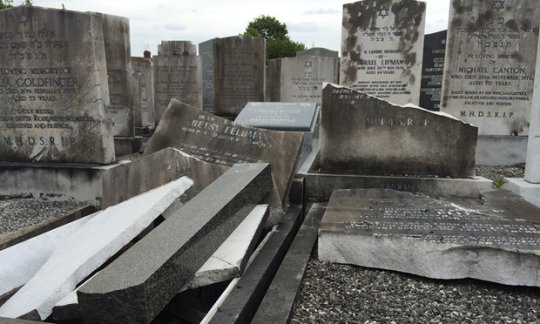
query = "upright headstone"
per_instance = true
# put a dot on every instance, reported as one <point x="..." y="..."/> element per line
<point x="206" y="52"/>
<point x="318" y="51"/>
<point x="239" y="67"/>
<point x="53" y="87"/>
<point x="382" y="45"/>
<point x="361" y="134"/>
<point x="532" y="167"/>
<point x="178" y="75"/>
<point x="432" y="70"/>
<point x="300" y="79"/>
<point x="143" y="78"/>
<point x="490" y="64"/>
<point x="118" y="53"/>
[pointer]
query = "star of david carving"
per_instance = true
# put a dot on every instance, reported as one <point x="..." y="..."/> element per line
<point x="498" y="4"/>
<point x="383" y="13"/>
<point x="308" y="65"/>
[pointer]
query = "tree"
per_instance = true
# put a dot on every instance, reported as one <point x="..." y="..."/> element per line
<point x="278" y="42"/>
<point x="6" y="4"/>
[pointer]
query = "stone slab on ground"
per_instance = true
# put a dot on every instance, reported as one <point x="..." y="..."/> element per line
<point x="230" y="259"/>
<point x="496" y="238"/>
<point x="163" y="261"/>
<point x="242" y="302"/>
<point x="529" y="191"/>
<point x="278" y="303"/>
<point x="22" y="261"/>
<point x="88" y="248"/>
<point x="153" y="170"/>
<point x="361" y="134"/>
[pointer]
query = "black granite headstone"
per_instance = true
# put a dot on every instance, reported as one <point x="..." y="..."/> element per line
<point x="432" y="70"/>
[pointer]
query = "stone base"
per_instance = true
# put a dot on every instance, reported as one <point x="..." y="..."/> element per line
<point x="127" y="145"/>
<point x="529" y="191"/>
<point x="54" y="181"/>
<point x="501" y="150"/>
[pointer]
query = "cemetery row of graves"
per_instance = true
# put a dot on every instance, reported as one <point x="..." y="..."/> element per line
<point x="193" y="185"/>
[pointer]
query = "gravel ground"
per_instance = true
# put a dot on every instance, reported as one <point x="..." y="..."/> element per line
<point x="333" y="293"/>
<point x="16" y="213"/>
<point x="511" y="171"/>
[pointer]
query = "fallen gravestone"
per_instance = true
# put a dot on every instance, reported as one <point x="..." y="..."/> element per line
<point x="54" y="87"/>
<point x="382" y="46"/>
<point x="218" y="140"/>
<point x="88" y="248"/>
<point x="162" y="262"/>
<point x="361" y="134"/>
<point x="154" y="170"/>
<point x="496" y="238"/>
<point x="432" y="70"/>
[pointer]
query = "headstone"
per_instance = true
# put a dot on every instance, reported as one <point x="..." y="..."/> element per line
<point x="117" y="54"/>
<point x="143" y="75"/>
<point x="88" y="248"/>
<point x="239" y="67"/>
<point x="490" y="64"/>
<point x="318" y="51"/>
<point x="283" y="116"/>
<point x="300" y="79"/>
<point x="206" y="52"/>
<point x="154" y="170"/>
<point x="432" y="70"/>
<point x="163" y="261"/>
<point x="382" y="45"/>
<point x="361" y="134"/>
<point x="532" y="167"/>
<point x="53" y="87"/>
<point x="178" y="75"/>
<point x="494" y="238"/>
<point x="218" y="140"/>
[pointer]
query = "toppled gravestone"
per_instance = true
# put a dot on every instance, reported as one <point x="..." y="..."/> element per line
<point x="496" y="238"/>
<point x="361" y="134"/>
<point x="138" y="285"/>
<point x="88" y="248"/>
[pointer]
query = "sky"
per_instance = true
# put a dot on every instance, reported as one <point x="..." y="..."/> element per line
<point x="316" y="23"/>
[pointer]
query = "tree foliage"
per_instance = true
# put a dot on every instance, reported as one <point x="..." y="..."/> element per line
<point x="278" y="42"/>
<point x="4" y="4"/>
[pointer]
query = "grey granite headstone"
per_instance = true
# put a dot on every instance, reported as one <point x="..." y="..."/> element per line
<point x="496" y="238"/>
<point x="143" y="75"/>
<point x="163" y="261"/>
<point x="361" y="134"/>
<point x="382" y="44"/>
<point x="53" y="87"/>
<point x="490" y="64"/>
<point x="218" y="140"/>
<point x="178" y="75"/>
<point x="432" y="70"/>
<point x="206" y="52"/>
<point x="300" y="79"/>
<point x="117" y="53"/>
<point x="239" y="67"/>
<point x="318" y="51"/>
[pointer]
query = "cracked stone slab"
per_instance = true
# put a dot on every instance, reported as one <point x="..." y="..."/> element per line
<point x="88" y="248"/>
<point x="496" y="238"/>
<point x="141" y="282"/>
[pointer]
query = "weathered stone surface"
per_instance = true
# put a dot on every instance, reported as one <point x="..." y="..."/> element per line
<point x="382" y="45"/>
<point x="178" y="75"/>
<point x="239" y="66"/>
<point x="532" y="168"/>
<point x="52" y="107"/>
<point x="230" y="259"/>
<point x="300" y="79"/>
<point x="218" y="140"/>
<point x="206" y="52"/>
<point x="432" y="70"/>
<point x="117" y="54"/>
<point x="154" y="170"/>
<point x="143" y="75"/>
<point x="490" y="64"/>
<point x="363" y="134"/>
<point x="289" y="116"/>
<point x="318" y="51"/>
<point x="88" y="248"/>
<point x="164" y="260"/>
<point x="495" y="238"/>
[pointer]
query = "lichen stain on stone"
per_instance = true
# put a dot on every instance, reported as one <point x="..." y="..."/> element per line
<point x="525" y="25"/>
<point x="512" y="24"/>
<point x="518" y="126"/>
<point x="350" y="72"/>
